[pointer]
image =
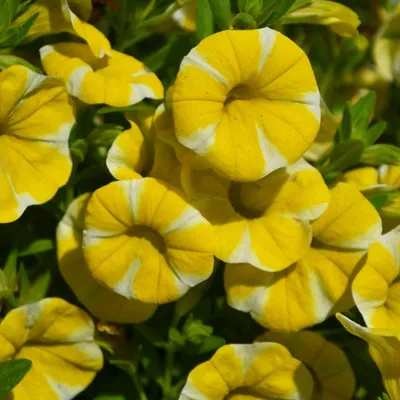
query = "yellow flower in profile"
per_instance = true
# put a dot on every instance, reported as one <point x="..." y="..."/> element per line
<point x="341" y="19"/>
<point x="102" y="303"/>
<point x="249" y="371"/>
<point x="34" y="152"/>
<point x="144" y="241"/>
<point x="332" y="372"/>
<point x="376" y="288"/>
<point x="319" y="284"/>
<point x="139" y="152"/>
<point x="185" y="17"/>
<point x="118" y="79"/>
<point x="384" y="347"/>
<point x="55" y="16"/>
<point x="58" y="338"/>
<point x="386" y="177"/>
<point x="264" y="223"/>
<point x="246" y="95"/>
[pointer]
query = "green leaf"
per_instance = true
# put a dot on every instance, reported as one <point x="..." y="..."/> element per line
<point x="273" y="10"/>
<point x="346" y="126"/>
<point x="244" y="21"/>
<point x="381" y="154"/>
<point x="8" y="9"/>
<point x="345" y="155"/>
<point x="252" y="7"/>
<point x="137" y="107"/>
<point x="176" y="337"/>
<point x="10" y="268"/>
<point x="11" y="373"/>
<point x="36" y="247"/>
<point x="222" y="13"/>
<point x="299" y="4"/>
<point x="8" y="61"/>
<point x="16" y="34"/>
<point x="361" y="114"/>
<point x="79" y="150"/>
<point x="374" y="133"/>
<point x="204" y="19"/>
<point x="37" y="290"/>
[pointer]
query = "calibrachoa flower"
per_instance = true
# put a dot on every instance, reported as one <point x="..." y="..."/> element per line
<point x="144" y="241"/>
<point x="386" y="177"/>
<point x="249" y="371"/>
<point x="384" y="347"/>
<point x="185" y="16"/>
<point x="318" y="284"/>
<point x="102" y="302"/>
<point x="264" y="223"/>
<point x="34" y="152"/>
<point x="376" y="288"/>
<point x="332" y="372"/>
<point x="246" y="95"/>
<point x="118" y="79"/>
<point x="58" y="338"/>
<point x="54" y="16"/>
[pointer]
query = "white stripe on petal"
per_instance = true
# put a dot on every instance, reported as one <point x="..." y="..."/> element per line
<point x="313" y="103"/>
<point x="321" y="304"/>
<point x="195" y="59"/>
<point x="63" y="391"/>
<point x="125" y="286"/>
<point x="202" y="140"/>
<point x="134" y="190"/>
<point x="140" y="92"/>
<point x="188" y="219"/>
<point x="190" y="392"/>
<point x="32" y="314"/>
<point x="243" y="252"/>
<point x="267" y="41"/>
<point x="75" y="80"/>
<point x="273" y="160"/>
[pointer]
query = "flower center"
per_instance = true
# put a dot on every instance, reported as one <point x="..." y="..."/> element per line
<point x="249" y="211"/>
<point x="148" y="234"/>
<point x="242" y="92"/>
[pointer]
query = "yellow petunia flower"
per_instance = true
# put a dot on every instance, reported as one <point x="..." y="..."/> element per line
<point x="386" y="177"/>
<point x="333" y="376"/>
<point x="55" y="16"/>
<point x="119" y="80"/>
<point x="384" y="347"/>
<point x="376" y="288"/>
<point x="139" y="152"/>
<point x="34" y="152"/>
<point x="246" y="95"/>
<point x="102" y="303"/>
<point x="58" y="338"/>
<point x="318" y="284"/>
<point x="264" y="223"/>
<point x="144" y="241"/>
<point x="249" y="371"/>
<point x="185" y="17"/>
<point x="341" y="19"/>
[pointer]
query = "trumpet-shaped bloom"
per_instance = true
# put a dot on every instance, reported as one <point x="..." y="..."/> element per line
<point x="376" y="288"/>
<point x="246" y="95"/>
<point x="54" y="16"/>
<point x="118" y="80"/>
<point x="264" y="223"/>
<point x="58" y="338"/>
<point x="384" y="347"/>
<point x="249" y="371"/>
<point x="34" y="152"/>
<point x="333" y="376"/>
<point x="386" y="177"/>
<point x="144" y="241"/>
<point x="319" y="283"/>
<point x="342" y="20"/>
<point x="102" y="302"/>
<point x="185" y="17"/>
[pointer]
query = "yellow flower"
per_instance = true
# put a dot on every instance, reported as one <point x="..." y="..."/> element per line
<point x="34" y="152"/>
<point x="118" y="80"/>
<point x="143" y="241"/>
<point x="139" y="152"/>
<point x="102" y="303"/>
<point x="342" y="20"/>
<point x="246" y="95"/>
<point x="376" y="288"/>
<point x="384" y="347"/>
<point x="318" y="284"/>
<point x="56" y="16"/>
<point x="386" y="177"/>
<point x="185" y="17"/>
<point x="249" y="371"/>
<point x="332" y="372"/>
<point x="58" y="338"/>
<point x="264" y="223"/>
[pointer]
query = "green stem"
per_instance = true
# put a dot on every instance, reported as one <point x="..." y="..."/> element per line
<point x="138" y="386"/>
<point x="158" y="19"/>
